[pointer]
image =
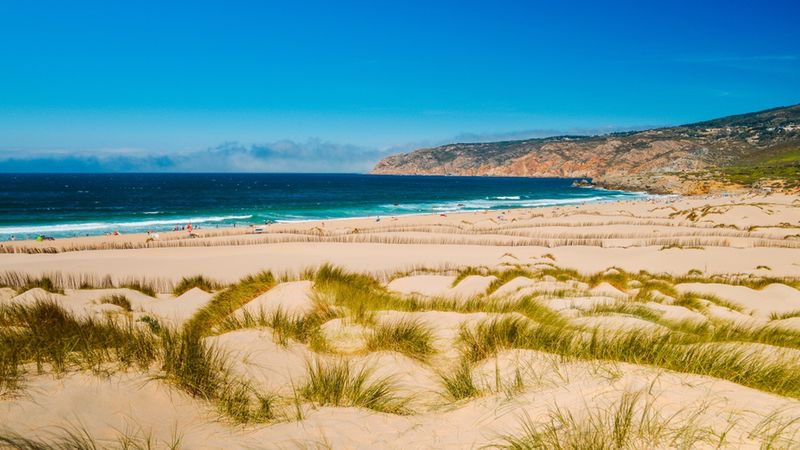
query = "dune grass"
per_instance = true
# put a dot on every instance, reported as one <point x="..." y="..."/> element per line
<point x="141" y="286"/>
<point x="78" y="438"/>
<point x="224" y="303"/>
<point x="458" y="383"/>
<point x="670" y="350"/>
<point x="409" y="337"/>
<point x="632" y="422"/>
<point x="45" y="336"/>
<point x="305" y="329"/>
<point x="197" y="281"/>
<point x="337" y="383"/>
<point x="53" y="339"/>
<point x="362" y="296"/>
<point x="203" y="371"/>
<point x="118" y="300"/>
<point x="786" y="315"/>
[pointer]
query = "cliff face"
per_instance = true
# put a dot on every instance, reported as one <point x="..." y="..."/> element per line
<point x="620" y="159"/>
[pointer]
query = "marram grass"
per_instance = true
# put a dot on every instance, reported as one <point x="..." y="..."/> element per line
<point x="409" y="337"/>
<point x="338" y="383"/>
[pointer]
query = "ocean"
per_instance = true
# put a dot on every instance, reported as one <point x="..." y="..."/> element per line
<point x="61" y="205"/>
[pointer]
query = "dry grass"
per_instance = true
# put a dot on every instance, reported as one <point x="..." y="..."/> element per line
<point x="57" y="282"/>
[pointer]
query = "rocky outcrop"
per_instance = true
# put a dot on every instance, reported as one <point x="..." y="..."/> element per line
<point x="645" y="160"/>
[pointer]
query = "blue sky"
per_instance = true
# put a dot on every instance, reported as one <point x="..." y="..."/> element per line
<point x="134" y="85"/>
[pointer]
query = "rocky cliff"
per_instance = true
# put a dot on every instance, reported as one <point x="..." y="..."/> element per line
<point x="655" y="160"/>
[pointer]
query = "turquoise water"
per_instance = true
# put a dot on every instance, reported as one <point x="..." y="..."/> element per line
<point x="62" y="205"/>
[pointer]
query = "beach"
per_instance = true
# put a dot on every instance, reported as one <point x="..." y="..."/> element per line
<point x="443" y="330"/>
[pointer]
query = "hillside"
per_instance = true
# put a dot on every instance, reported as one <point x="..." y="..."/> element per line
<point x="743" y="150"/>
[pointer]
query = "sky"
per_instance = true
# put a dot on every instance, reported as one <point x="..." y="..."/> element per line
<point x="335" y="86"/>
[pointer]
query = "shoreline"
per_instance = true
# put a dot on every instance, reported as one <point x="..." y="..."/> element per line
<point x="677" y="234"/>
<point x="221" y="225"/>
<point x="247" y="228"/>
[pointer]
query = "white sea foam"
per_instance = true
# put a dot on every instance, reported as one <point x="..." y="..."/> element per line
<point x="97" y="226"/>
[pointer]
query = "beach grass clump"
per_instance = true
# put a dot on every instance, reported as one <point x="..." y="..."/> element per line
<point x="197" y="281"/>
<point x="785" y="315"/>
<point x="44" y="334"/>
<point x="204" y="372"/>
<point x="224" y="303"/>
<point x="285" y="326"/>
<point x="764" y="334"/>
<point x="360" y="295"/>
<point x="76" y="437"/>
<point x="778" y="430"/>
<point x="529" y="307"/>
<point x="51" y="337"/>
<point x="67" y="439"/>
<point x="677" y="351"/>
<point x="628" y="309"/>
<point x="632" y="422"/>
<point x="140" y="285"/>
<point x="504" y="276"/>
<point x="337" y="383"/>
<point x="469" y="271"/>
<point x="306" y="329"/>
<point x="409" y="337"/>
<point x="490" y="336"/>
<point x="613" y="276"/>
<point x="118" y="300"/>
<point x="458" y="383"/>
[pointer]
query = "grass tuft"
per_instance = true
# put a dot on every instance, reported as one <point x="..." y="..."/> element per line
<point x="459" y="384"/>
<point x="629" y="423"/>
<point x="410" y="337"/>
<point x="118" y="300"/>
<point x="339" y="384"/>
<point x="226" y="302"/>
<point x="197" y="281"/>
<point x="202" y="371"/>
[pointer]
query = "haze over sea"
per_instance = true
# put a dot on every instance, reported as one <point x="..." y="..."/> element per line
<point x="62" y="205"/>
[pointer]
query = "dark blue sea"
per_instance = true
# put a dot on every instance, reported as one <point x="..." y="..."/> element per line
<point x="61" y="205"/>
